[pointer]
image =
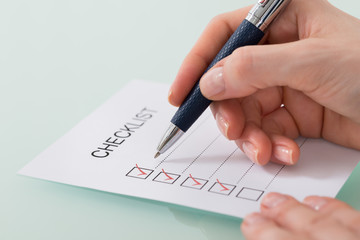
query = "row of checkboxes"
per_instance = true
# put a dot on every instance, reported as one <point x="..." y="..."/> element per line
<point x="196" y="183"/>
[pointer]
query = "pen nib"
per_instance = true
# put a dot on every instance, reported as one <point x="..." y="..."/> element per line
<point x="157" y="154"/>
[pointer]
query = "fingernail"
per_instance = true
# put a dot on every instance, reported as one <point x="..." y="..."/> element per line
<point x="254" y="218"/>
<point x="273" y="199"/>
<point x="223" y="125"/>
<point x="283" y="154"/>
<point x="315" y="203"/>
<point x="251" y="151"/>
<point x="170" y="93"/>
<point x="212" y="83"/>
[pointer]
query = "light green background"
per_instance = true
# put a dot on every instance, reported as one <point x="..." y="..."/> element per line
<point x="59" y="60"/>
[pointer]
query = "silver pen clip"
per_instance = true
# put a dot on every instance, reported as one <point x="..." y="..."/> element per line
<point x="265" y="11"/>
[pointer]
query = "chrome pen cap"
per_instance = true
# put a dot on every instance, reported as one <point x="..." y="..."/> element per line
<point x="265" y="11"/>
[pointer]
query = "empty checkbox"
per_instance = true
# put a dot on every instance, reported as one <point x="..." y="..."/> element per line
<point x="250" y="194"/>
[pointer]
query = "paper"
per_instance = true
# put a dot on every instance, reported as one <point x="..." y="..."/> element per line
<point x="112" y="150"/>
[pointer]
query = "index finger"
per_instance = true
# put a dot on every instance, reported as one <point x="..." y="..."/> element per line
<point x="205" y="49"/>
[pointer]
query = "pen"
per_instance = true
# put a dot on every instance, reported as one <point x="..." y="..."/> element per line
<point x="250" y="32"/>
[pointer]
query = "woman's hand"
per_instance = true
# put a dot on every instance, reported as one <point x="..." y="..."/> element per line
<point x="304" y="80"/>
<point x="282" y="218"/>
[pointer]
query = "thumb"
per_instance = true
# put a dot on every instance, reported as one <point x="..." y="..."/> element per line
<point x="300" y="65"/>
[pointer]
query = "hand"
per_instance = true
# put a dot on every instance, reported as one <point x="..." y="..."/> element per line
<point x="304" y="80"/>
<point x="283" y="217"/>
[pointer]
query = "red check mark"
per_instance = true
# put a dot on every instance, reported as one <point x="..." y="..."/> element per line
<point x="141" y="171"/>
<point x="196" y="182"/>
<point x="169" y="177"/>
<point x="224" y="188"/>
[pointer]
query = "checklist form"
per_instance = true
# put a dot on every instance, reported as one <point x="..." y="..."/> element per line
<point x="112" y="150"/>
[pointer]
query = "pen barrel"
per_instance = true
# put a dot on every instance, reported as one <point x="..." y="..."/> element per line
<point x="195" y="103"/>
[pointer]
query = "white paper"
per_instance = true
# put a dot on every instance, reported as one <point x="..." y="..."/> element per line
<point x="203" y="170"/>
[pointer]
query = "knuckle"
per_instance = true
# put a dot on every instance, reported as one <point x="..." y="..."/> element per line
<point x="239" y="72"/>
<point x="242" y="62"/>
<point x="271" y="126"/>
<point x="286" y="211"/>
<point x="218" y="20"/>
<point x="282" y="214"/>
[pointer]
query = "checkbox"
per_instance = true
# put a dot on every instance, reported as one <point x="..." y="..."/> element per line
<point x="250" y="194"/>
<point x="165" y="177"/>
<point x="196" y="183"/>
<point x="138" y="172"/>
<point x="222" y="188"/>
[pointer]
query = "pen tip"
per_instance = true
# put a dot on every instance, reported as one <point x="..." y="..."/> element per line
<point x="157" y="154"/>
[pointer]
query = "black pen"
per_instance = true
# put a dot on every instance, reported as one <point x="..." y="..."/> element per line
<point x="250" y="32"/>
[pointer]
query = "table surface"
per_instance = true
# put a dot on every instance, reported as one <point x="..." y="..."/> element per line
<point x="59" y="60"/>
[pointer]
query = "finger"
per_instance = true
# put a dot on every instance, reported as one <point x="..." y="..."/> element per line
<point x="213" y="38"/>
<point x="282" y="130"/>
<point x="280" y="122"/>
<point x="262" y="103"/>
<point x="262" y="109"/>
<point x="257" y="67"/>
<point x="255" y="144"/>
<point x="341" y="130"/>
<point x="284" y="150"/>
<point x="256" y="226"/>
<point x="336" y="209"/>
<point x="295" y="22"/>
<point x="207" y="46"/>
<point x="229" y="118"/>
<point x="306" y="114"/>
<point x="251" y="68"/>
<point x="287" y="211"/>
<point x="296" y="217"/>
<point x="283" y="124"/>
